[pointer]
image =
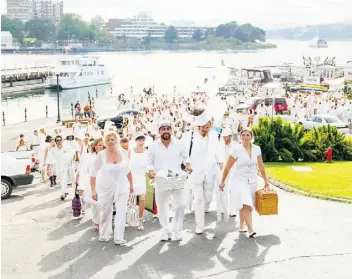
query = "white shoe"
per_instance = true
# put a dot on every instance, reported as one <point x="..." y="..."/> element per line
<point x="177" y="236"/>
<point x="165" y="237"/>
<point x="199" y="231"/>
<point x="121" y="242"/>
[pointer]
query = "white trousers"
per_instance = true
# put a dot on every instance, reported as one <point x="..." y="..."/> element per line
<point x="63" y="178"/>
<point x="162" y="199"/>
<point x="105" y="202"/>
<point x="203" y="193"/>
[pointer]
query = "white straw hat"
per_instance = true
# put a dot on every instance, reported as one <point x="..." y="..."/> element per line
<point x="202" y="119"/>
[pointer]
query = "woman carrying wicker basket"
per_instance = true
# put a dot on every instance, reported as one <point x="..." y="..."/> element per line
<point x="247" y="157"/>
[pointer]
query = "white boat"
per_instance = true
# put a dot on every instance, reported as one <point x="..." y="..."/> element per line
<point x="79" y="71"/>
<point x="319" y="43"/>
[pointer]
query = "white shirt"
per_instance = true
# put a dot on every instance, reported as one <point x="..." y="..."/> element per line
<point x="166" y="158"/>
<point x="63" y="157"/>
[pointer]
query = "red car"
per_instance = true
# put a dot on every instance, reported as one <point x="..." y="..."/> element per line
<point x="280" y="105"/>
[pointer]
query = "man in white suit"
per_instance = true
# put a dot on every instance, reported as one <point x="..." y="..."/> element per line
<point x="204" y="161"/>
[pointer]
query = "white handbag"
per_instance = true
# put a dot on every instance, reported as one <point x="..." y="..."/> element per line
<point x="132" y="212"/>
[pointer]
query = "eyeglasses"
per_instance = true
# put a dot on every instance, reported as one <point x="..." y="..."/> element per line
<point x="58" y="140"/>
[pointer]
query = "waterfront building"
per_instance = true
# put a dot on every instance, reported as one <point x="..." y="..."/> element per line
<point x="48" y="9"/>
<point x="143" y="25"/>
<point x="20" y="9"/>
<point x="6" y="40"/>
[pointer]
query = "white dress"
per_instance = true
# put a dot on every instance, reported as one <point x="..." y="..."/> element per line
<point x="244" y="179"/>
<point x="138" y="163"/>
<point x="112" y="186"/>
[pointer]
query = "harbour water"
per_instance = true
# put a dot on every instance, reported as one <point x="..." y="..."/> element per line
<point x="160" y="69"/>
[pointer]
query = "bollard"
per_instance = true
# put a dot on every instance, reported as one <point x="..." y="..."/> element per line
<point x="3" y="117"/>
<point x="25" y="115"/>
<point x="72" y="109"/>
<point x="46" y="111"/>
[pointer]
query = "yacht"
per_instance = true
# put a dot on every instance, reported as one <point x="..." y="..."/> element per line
<point x="79" y="71"/>
<point x="318" y="43"/>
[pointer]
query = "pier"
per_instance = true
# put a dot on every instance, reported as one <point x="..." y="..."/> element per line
<point x="24" y="79"/>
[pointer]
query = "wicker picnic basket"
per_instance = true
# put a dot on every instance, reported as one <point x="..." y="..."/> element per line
<point x="169" y="183"/>
<point x="266" y="203"/>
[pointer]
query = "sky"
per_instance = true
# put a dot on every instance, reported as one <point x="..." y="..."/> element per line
<point x="267" y="14"/>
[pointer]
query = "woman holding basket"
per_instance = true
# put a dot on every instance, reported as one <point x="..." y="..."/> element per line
<point x="247" y="157"/>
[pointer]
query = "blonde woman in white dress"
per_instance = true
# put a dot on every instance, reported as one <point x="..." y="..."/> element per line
<point x="111" y="181"/>
<point x="139" y="159"/>
<point x="247" y="157"/>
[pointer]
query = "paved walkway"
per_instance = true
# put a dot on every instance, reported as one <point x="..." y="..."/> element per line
<point x="308" y="239"/>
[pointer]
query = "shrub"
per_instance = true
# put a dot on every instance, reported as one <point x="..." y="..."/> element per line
<point x="315" y="143"/>
<point x="279" y="140"/>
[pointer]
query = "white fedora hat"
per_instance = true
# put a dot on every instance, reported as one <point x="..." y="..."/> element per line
<point x="202" y="119"/>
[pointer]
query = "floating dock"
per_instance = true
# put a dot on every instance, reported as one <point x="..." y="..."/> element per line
<point x="27" y="79"/>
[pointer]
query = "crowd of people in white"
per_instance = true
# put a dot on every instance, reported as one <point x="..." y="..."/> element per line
<point x="218" y="156"/>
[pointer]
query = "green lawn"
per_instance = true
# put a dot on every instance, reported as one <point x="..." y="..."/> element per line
<point x="329" y="179"/>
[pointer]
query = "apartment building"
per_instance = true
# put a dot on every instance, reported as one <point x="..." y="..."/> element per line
<point x="20" y="9"/>
<point x="30" y="9"/>
<point x="143" y="25"/>
<point x="48" y="9"/>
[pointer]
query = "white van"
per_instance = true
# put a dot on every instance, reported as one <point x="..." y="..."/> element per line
<point x="14" y="173"/>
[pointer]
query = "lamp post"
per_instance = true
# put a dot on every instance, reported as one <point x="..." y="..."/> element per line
<point x="58" y="97"/>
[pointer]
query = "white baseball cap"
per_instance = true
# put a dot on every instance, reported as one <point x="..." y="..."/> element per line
<point x="226" y="132"/>
<point x="164" y="123"/>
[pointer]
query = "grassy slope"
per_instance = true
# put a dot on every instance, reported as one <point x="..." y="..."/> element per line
<point x="333" y="179"/>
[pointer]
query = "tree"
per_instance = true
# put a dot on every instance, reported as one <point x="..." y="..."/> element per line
<point x="227" y="30"/>
<point x="170" y="34"/>
<point x="14" y="26"/>
<point x="197" y="35"/>
<point x="72" y="26"/>
<point x="41" y="29"/>
<point x="249" y="33"/>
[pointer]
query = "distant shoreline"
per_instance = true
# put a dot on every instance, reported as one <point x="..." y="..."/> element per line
<point x="159" y="47"/>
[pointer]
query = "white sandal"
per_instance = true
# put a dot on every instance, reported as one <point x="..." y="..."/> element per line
<point x="140" y="226"/>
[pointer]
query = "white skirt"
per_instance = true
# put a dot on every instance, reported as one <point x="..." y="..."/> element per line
<point x="243" y="193"/>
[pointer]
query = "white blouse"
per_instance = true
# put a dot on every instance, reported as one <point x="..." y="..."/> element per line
<point x="246" y="167"/>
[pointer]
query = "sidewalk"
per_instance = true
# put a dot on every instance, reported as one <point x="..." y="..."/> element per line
<point x="10" y="133"/>
<point x="104" y="106"/>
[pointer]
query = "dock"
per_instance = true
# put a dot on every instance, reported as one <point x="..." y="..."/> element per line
<point x="25" y="79"/>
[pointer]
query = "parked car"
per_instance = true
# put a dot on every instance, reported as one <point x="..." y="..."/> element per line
<point x="14" y="173"/>
<point x="29" y="155"/>
<point x="323" y="120"/>
<point x="118" y="120"/>
<point x="280" y="105"/>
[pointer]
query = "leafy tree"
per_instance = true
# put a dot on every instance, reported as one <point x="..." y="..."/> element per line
<point x="197" y="35"/>
<point x="170" y="34"/>
<point x="15" y="26"/>
<point x="249" y="33"/>
<point x="227" y="30"/>
<point x="41" y="29"/>
<point x="72" y="26"/>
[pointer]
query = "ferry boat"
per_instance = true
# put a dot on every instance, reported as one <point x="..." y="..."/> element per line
<point x="79" y="71"/>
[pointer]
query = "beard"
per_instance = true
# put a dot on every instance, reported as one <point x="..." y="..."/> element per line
<point x="166" y="136"/>
<point x="204" y="133"/>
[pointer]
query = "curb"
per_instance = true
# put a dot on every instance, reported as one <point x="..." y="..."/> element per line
<point x="291" y="189"/>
